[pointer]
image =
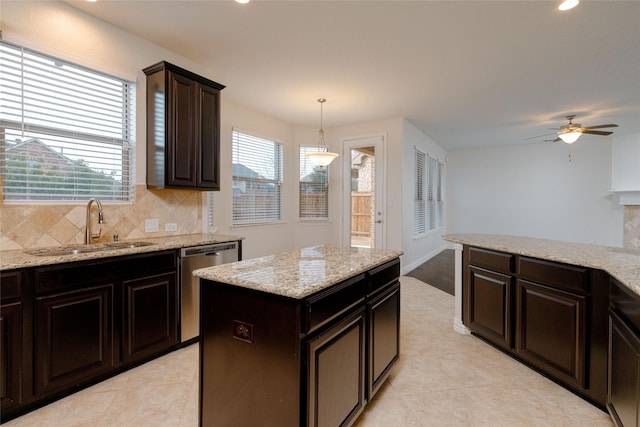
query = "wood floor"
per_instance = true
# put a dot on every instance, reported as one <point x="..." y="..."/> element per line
<point x="439" y="271"/>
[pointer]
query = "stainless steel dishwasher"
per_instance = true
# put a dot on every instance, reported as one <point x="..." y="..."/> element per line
<point x="193" y="258"/>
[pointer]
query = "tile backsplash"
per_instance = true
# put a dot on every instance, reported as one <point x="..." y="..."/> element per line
<point x="631" y="239"/>
<point x="29" y="226"/>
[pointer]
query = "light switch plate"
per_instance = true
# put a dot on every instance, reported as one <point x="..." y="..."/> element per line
<point x="150" y="225"/>
<point x="171" y="226"/>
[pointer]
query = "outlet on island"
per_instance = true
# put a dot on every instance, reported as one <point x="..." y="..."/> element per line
<point x="150" y="225"/>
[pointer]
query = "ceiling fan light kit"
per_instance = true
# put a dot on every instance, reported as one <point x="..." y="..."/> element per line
<point x="570" y="137"/>
<point x="570" y="133"/>
<point x="568" y="4"/>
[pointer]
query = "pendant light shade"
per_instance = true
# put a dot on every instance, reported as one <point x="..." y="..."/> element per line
<point x="322" y="157"/>
<point x="570" y="137"/>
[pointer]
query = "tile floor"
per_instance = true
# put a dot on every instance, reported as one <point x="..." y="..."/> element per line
<point x="442" y="379"/>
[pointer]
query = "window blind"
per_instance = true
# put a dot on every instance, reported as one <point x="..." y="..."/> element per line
<point x="257" y="179"/>
<point x="313" y="188"/>
<point x="434" y="194"/>
<point x="419" y="203"/>
<point x="428" y="204"/>
<point x="66" y="132"/>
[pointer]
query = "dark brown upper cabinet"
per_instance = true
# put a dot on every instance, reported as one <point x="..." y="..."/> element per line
<point x="183" y="129"/>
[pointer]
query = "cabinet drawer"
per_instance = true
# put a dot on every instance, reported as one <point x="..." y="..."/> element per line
<point x="72" y="275"/>
<point x="555" y="274"/>
<point x="329" y="304"/>
<point x="148" y="264"/>
<point x="10" y="285"/>
<point x="382" y="276"/>
<point x="625" y="305"/>
<point x="497" y="261"/>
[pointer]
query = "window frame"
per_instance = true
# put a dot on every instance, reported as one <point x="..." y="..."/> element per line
<point x="42" y="129"/>
<point x="238" y="136"/>
<point x="428" y="199"/>
<point x="302" y="151"/>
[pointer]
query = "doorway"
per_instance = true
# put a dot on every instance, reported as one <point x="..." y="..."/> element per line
<point x="364" y="192"/>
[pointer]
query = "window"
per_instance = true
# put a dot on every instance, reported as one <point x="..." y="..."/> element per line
<point x="66" y="132"/>
<point x="314" y="188"/>
<point x="257" y="179"/>
<point x="419" y="199"/>
<point x="427" y="201"/>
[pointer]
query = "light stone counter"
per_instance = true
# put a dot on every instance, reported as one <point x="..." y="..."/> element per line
<point x="19" y="259"/>
<point x="622" y="264"/>
<point x="300" y="273"/>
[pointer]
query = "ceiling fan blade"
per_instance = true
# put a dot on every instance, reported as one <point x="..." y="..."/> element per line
<point x="596" y="132"/>
<point x="610" y="125"/>
<point x="539" y="136"/>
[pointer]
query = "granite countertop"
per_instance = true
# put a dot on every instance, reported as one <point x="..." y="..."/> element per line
<point x="20" y="259"/>
<point x="299" y="273"/>
<point x="622" y="264"/>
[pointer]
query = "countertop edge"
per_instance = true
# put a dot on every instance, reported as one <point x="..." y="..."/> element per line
<point x="280" y="263"/>
<point x="17" y="259"/>
<point x="621" y="264"/>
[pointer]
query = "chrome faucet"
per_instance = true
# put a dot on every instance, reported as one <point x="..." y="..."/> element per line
<point x="88" y="236"/>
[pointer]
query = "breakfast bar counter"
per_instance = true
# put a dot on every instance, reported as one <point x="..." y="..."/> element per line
<point x="305" y="337"/>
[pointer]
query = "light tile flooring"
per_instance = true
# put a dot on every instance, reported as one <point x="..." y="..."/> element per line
<point x="442" y="379"/>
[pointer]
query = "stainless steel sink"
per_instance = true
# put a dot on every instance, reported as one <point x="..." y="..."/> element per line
<point x="81" y="249"/>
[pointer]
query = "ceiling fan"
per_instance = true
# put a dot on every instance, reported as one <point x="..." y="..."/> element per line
<point x="570" y="132"/>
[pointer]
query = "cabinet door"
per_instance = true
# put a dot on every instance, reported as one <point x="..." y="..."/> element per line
<point x="336" y="373"/>
<point x="74" y="337"/>
<point x="489" y="305"/>
<point x="181" y="131"/>
<point x="150" y="310"/>
<point x="208" y="125"/>
<point x="10" y="356"/>
<point x="384" y="337"/>
<point x="551" y="331"/>
<point x="623" y="397"/>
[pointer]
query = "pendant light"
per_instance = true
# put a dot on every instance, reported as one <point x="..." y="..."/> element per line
<point x="322" y="157"/>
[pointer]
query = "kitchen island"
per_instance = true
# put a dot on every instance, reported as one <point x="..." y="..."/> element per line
<point x="305" y="337"/>
<point x="569" y="310"/>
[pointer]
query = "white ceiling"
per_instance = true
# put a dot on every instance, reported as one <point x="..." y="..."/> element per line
<point x="467" y="73"/>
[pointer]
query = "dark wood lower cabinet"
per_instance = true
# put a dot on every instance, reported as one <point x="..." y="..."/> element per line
<point x="66" y="326"/>
<point x="490" y="307"/>
<point x="74" y="337"/>
<point x="551" y="331"/>
<point x="623" y="397"/>
<point x="336" y="373"/>
<point x="549" y="315"/>
<point x="623" y="400"/>
<point x="384" y="336"/>
<point x="150" y="316"/>
<point x="11" y="358"/>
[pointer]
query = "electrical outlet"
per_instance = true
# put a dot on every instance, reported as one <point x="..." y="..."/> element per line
<point x="150" y="225"/>
<point x="171" y="226"/>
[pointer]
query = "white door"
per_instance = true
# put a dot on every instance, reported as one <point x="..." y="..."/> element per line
<point x="364" y="192"/>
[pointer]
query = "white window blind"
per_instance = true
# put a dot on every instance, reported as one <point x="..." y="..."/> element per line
<point x="428" y="202"/>
<point x="419" y="205"/>
<point x="257" y="179"/>
<point x="66" y="132"/>
<point x="314" y="188"/>
<point x="434" y="194"/>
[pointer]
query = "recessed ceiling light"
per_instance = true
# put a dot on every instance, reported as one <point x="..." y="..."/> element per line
<point x="568" y="4"/>
<point x="243" y="1"/>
